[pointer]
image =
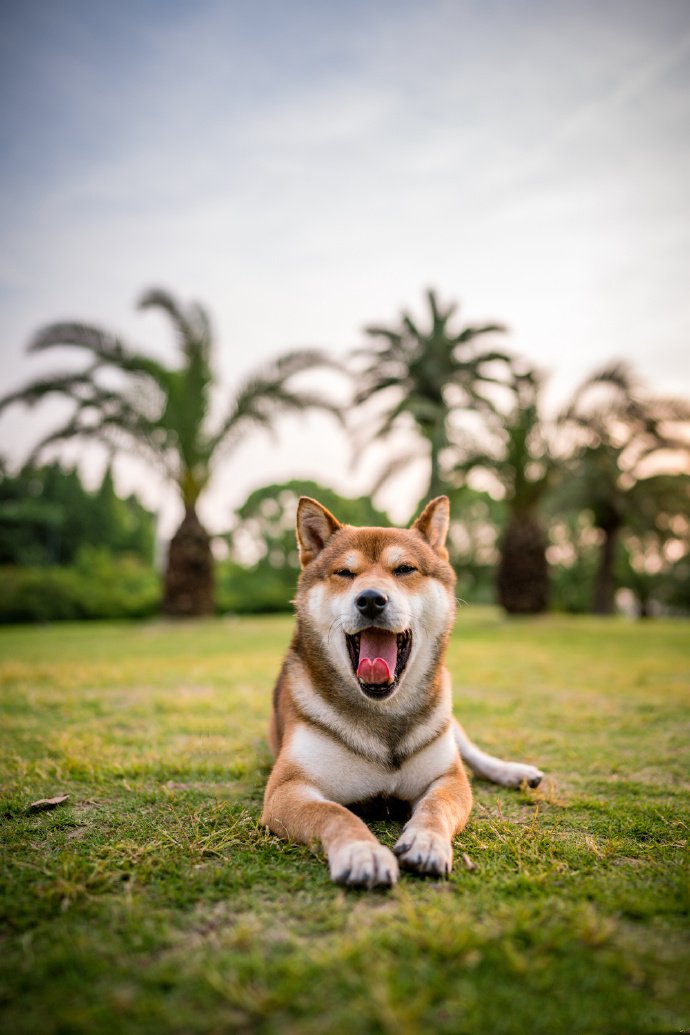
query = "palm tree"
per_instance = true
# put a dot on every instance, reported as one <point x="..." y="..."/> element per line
<point x="621" y="435"/>
<point x="657" y="540"/>
<point x="427" y="374"/>
<point x="517" y="450"/>
<point x="128" y="399"/>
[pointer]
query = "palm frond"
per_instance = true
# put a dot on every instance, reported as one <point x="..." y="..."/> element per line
<point x="193" y="326"/>
<point x="160" y="299"/>
<point x="669" y="409"/>
<point x="393" y="467"/>
<point x="662" y="443"/>
<point x="300" y="361"/>
<point x="419" y="411"/>
<point x="102" y="428"/>
<point x="107" y="349"/>
<point x="73" y="428"/>
<point x="411" y="327"/>
<point x="377" y="331"/>
<point x="438" y="317"/>
<point x="374" y="386"/>
<point x="61" y="384"/>
<point x="380" y="365"/>
<point x="281" y="399"/>
<point x="492" y="357"/>
<point x="259" y="400"/>
<point x="617" y="375"/>
<point x="470" y="333"/>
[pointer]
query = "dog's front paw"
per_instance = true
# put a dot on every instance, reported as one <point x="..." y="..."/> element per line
<point x="424" y="851"/>
<point x="514" y="774"/>
<point x="363" y="864"/>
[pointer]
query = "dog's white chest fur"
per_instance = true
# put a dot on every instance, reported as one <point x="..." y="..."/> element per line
<point x="343" y="776"/>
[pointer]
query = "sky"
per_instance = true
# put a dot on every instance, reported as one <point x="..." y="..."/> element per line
<point x="306" y="168"/>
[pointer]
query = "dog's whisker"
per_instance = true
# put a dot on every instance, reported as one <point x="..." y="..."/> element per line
<point x="338" y="622"/>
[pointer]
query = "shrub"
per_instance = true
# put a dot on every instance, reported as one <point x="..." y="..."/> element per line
<point x="97" y="586"/>
<point x="257" y="590"/>
<point x="572" y="586"/>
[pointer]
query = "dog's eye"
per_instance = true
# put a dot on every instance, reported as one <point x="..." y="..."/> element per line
<point x="345" y="573"/>
<point x="404" y="569"/>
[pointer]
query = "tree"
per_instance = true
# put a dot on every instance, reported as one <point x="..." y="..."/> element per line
<point x="265" y="523"/>
<point x="622" y="435"/>
<point x="127" y="399"/>
<point x="48" y="518"/>
<point x="263" y="536"/>
<point x="472" y="541"/>
<point x="517" y="450"/>
<point x="656" y="540"/>
<point x="425" y="376"/>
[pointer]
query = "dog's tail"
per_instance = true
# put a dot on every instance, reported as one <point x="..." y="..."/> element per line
<point x="507" y="774"/>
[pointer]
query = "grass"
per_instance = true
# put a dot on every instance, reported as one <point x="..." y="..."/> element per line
<point x="154" y="902"/>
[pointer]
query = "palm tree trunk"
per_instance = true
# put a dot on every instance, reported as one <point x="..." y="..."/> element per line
<point x="436" y="484"/>
<point x="189" y="577"/>
<point x="605" y="585"/>
<point x="523" y="574"/>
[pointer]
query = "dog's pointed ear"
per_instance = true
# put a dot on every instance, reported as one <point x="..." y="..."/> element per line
<point x="433" y="523"/>
<point x="315" y="526"/>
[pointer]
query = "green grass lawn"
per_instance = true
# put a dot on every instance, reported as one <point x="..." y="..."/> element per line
<point x="154" y="902"/>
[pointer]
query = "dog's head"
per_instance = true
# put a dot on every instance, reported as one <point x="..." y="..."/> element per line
<point x="379" y="602"/>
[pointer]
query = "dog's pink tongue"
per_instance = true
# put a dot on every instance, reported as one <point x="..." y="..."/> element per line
<point x="378" y="655"/>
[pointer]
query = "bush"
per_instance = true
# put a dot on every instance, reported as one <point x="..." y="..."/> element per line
<point x="97" y="586"/>
<point x="257" y="590"/>
<point x="572" y="587"/>
<point x="47" y="516"/>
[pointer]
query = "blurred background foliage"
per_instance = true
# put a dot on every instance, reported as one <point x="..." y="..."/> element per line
<point x="67" y="553"/>
<point x="587" y="509"/>
<point x="47" y="517"/>
<point x="264" y="529"/>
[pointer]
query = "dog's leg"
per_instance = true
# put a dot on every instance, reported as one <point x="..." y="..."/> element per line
<point x="507" y="774"/>
<point x="295" y="809"/>
<point x="425" y="844"/>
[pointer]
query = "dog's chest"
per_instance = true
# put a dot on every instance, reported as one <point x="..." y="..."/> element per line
<point x="345" y="776"/>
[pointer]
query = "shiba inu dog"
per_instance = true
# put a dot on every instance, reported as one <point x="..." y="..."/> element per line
<point x="362" y="706"/>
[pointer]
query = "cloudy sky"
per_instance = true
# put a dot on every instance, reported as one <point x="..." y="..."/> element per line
<point x="305" y="167"/>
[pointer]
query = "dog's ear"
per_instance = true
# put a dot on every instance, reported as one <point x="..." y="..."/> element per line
<point x="433" y="523"/>
<point x="315" y="526"/>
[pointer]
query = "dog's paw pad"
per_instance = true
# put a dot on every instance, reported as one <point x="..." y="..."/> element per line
<point x="363" y="864"/>
<point x="425" y="852"/>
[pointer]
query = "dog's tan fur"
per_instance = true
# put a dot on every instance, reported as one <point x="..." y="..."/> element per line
<point x="334" y="745"/>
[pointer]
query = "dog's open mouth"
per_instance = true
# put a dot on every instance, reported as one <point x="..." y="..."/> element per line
<point x="378" y="659"/>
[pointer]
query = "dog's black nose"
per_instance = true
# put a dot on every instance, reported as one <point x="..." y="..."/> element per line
<point x="371" y="603"/>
